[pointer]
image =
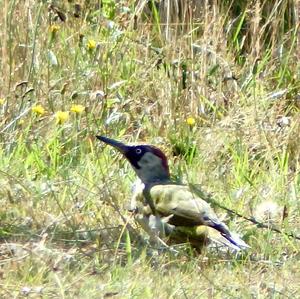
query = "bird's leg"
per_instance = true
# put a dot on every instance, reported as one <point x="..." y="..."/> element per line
<point x="142" y="214"/>
<point x="143" y="221"/>
<point x="154" y="226"/>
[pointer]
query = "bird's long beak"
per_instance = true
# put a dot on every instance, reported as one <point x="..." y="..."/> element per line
<point x="121" y="147"/>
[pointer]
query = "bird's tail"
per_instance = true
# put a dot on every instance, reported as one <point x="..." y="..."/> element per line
<point x="199" y="236"/>
<point x="233" y="238"/>
<point x="215" y="237"/>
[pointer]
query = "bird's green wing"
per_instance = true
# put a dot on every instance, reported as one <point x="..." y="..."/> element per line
<point x="177" y="200"/>
<point x="188" y="210"/>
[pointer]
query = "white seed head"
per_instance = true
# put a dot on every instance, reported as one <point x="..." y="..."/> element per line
<point x="267" y="211"/>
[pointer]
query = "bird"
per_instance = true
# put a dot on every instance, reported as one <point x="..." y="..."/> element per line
<point x="183" y="213"/>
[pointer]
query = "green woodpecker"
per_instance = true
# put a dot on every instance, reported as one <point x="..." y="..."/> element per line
<point x="183" y="213"/>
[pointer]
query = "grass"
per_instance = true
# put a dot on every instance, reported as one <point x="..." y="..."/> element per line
<point x="138" y="72"/>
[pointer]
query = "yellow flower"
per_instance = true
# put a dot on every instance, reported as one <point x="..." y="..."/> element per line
<point x="38" y="109"/>
<point x="78" y="109"/>
<point x="2" y="101"/>
<point x="54" y="28"/>
<point x="191" y="121"/>
<point x="61" y="117"/>
<point x="91" y="44"/>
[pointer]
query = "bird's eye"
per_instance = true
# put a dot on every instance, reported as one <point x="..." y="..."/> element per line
<point x="138" y="151"/>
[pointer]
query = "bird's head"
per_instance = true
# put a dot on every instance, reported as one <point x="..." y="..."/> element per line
<point x="149" y="162"/>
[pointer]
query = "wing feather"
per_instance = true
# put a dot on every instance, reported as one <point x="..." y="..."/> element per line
<point x="187" y="208"/>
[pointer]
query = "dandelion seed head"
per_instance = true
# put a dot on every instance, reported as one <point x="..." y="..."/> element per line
<point x="267" y="210"/>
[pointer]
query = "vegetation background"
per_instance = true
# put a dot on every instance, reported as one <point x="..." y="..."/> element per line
<point x="215" y="84"/>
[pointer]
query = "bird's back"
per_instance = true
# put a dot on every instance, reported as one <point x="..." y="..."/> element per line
<point x="186" y="207"/>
